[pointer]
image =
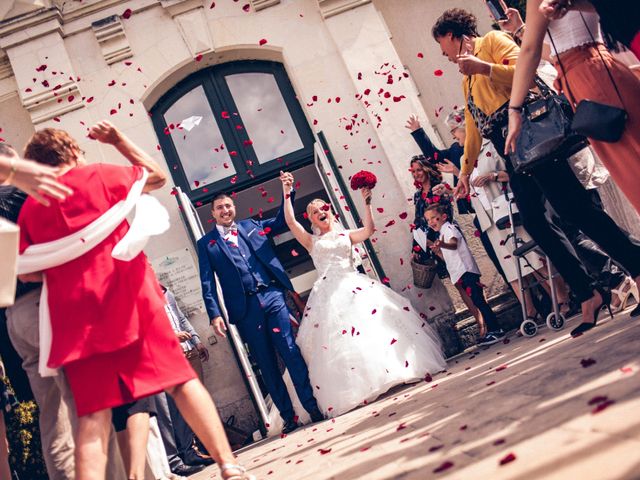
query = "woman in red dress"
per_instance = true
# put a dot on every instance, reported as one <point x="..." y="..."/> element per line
<point x="110" y="332"/>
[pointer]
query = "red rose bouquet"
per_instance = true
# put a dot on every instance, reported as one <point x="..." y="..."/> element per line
<point x="363" y="179"/>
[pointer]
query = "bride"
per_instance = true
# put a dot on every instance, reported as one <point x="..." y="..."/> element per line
<point x="358" y="337"/>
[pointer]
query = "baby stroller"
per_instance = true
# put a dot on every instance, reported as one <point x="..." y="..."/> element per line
<point x="555" y="320"/>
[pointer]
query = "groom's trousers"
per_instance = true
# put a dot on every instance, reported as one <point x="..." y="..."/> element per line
<point x="266" y="328"/>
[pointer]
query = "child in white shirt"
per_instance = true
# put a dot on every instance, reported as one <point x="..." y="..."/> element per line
<point x="462" y="267"/>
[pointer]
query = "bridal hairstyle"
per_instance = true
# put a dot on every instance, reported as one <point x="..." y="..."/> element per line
<point x="53" y="147"/>
<point x="320" y="203"/>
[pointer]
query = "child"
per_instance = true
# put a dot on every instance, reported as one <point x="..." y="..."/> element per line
<point x="462" y="267"/>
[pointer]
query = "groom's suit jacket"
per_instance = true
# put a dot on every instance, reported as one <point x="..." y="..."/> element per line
<point x="214" y="257"/>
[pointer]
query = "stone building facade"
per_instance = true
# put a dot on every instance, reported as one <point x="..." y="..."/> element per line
<point x="226" y="93"/>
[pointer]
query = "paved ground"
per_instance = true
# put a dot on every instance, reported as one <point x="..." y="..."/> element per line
<point x="543" y="407"/>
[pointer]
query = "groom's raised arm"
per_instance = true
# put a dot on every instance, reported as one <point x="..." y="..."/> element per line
<point x="208" y="281"/>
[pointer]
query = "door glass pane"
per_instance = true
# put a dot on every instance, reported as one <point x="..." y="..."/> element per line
<point x="264" y="114"/>
<point x="198" y="140"/>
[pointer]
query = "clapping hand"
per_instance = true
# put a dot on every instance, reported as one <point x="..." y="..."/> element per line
<point x="482" y="180"/>
<point x="447" y="166"/>
<point x="287" y="182"/>
<point x="413" y="123"/>
<point x="366" y="194"/>
<point x="440" y="189"/>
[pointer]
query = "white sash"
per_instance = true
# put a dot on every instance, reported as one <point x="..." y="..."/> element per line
<point x="150" y="218"/>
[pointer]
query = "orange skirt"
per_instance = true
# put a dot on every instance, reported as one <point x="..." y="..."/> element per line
<point x="588" y="79"/>
<point x="146" y="367"/>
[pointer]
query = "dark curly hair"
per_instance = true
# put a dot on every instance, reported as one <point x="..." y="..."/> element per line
<point x="456" y="21"/>
<point x="51" y="146"/>
<point x="435" y="176"/>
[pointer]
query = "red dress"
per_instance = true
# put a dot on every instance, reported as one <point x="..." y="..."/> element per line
<point x="109" y="328"/>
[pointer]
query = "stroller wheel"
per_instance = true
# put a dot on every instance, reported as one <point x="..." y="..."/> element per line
<point x="555" y="323"/>
<point x="528" y="328"/>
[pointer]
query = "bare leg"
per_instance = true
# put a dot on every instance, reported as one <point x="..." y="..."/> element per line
<point x="198" y="409"/>
<point x="531" y="310"/>
<point x="5" y="471"/>
<point x="92" y="440"/>
<point x="473" y="310"/>
<point x="133" y="445"/>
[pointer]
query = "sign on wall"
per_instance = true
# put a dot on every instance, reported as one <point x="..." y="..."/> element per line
<point x="178" y="273"/>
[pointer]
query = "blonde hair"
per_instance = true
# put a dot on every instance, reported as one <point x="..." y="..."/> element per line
<point x="316" y="201"/>
<point x="455" y="119"/>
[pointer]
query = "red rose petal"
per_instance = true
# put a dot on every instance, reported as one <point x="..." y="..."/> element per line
<point x="127" y="14"/>
<point x="262" y="41"/>
<point x="420" y="55"/>
<point x="393" y="340"/>
<point x="444" y="466"/>
<point x="587" y="362"/>
<point x="598" y="399"/>
<point x="324" y="451"/>
<point x="602" y="406"/>
<point x="507" y="459"/>
<point x="501" y="367"/>
<point x="438" y="73"/>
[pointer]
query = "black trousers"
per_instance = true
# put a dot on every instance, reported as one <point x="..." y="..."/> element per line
<point x="556" y="182"/>
<point x="607" y="272"/>
<point x="471" y="283"/>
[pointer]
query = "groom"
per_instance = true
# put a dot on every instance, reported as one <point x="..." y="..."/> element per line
<point x="253" y="282"/>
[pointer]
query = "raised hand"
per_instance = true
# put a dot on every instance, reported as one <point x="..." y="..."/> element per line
<point x="287" y="182"/>
<point x="554" y="9"/>
<point x="105" y="132"/>
<point x="366" y="194"/>
<point x="447" y="166"/>
<point x="513" y="21"/>
<point x="413" y="123"/>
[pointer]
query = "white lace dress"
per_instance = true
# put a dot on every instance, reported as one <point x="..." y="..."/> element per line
<point x="358" y="337"/>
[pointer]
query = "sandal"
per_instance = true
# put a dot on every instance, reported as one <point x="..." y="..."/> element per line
<point x="243" y="475"/>
<point x="622" y="293"/>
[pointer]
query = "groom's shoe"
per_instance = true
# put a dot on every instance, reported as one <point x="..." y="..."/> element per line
<point x="316" y="415"/>
<point x="289" y="426"/>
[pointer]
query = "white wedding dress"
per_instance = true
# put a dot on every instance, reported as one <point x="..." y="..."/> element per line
<point x="358" y="337"/>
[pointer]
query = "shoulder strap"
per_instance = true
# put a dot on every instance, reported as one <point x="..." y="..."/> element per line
<point x="615" y="86"/>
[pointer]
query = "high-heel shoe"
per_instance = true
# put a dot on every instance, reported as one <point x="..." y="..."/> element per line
<point x="622" y="293"/>
<point x="586" y="326"/>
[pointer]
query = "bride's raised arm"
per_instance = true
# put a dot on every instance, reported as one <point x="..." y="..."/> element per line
<point x="362" y="234"/>
<point x="300" y="234"/>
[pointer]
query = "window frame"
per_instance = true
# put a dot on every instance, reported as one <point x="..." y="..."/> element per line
<point x="212" y="80"/>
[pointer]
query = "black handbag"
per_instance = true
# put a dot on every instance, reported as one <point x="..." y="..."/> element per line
<point x="546" y="131"/>
<point x="596" y="120"/>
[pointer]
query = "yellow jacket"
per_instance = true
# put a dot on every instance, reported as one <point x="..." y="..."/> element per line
<point x="489" y="92"/>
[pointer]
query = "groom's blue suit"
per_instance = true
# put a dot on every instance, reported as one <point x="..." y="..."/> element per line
<point x="253" y="280"/>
